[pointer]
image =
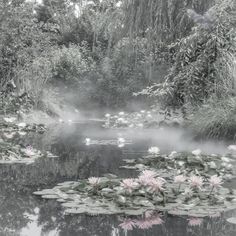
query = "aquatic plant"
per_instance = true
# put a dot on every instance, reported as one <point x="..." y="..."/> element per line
<point x="215" y="181"/>
<point x="154" y="150"/>
<point x="196" y="181"/>
<point x="195" y="221"/>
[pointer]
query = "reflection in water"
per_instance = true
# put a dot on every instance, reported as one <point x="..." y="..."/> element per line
<point x="23" y="214"/>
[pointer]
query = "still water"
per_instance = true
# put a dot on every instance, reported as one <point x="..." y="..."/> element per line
<point x="24" y="214"/>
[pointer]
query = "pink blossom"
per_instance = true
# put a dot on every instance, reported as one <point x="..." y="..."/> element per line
<point x="179" y="179"/>
<point x="148" y="213"/>
<point x="215" y="181"/>
<point x="156" y="220"/>
<point x="196" y="181"/>
<point x="94" y="181"/>
<point x="129" y="184"/>
<point x="146" y="177"/>
<point x="128" y="224"/>
<point x="156" y="185"/>
<point x="149" y="173"/>
<point x="195" y="221"/>
<point x="29" y="151"/>
<point x="144" y="224"/>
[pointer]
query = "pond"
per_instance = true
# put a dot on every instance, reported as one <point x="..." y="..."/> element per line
<point x="23" y="214"/>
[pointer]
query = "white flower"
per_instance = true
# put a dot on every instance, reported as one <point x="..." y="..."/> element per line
<point x="94" y="181"/>
<point x="121" y="120"/>
<point x="29" y="151"/>
<point x="9" y="135"/>
<point x="215" y="181"/>
<point x="87" y="141"/>
<point x="107" y="115"/>
<point x="60" y="120"/>
<point x="154" y="150"/>
<point x="196" y="152"/>
<point x="10" y="119"/>
<point x="121" y="113"/>
<point x="181" y="163"/>
<point x="173" y="154"/>
<point x="143" y="111"/>
<point x="22" y="133"/>
<point x="149" y="116"/>
<point x="22" y="125"/>
<point x="232" y="148"/>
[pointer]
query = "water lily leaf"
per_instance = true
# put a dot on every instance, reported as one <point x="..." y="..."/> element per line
<point x="50" y="196"/>
<point x="232" y="220"/>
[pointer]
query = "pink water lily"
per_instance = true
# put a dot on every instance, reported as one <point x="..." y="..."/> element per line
<point x="146" y="177"/>
<point x="196" y="181"/>
<point x="144" y="224"/>
<point x="129" y="184"/>
<point x="128" y="224"/>
<point x="179" y="179"/>
<point x="156" y="220"/>
<point x="215" y="181"/>
<point x="156" y="185"/>
<point x="195" y="221"/>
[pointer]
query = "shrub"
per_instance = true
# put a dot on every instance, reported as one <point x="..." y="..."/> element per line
<point x="215" y="119"/>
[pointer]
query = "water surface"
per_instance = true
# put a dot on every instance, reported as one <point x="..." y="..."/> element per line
<point x="24" y="214"/>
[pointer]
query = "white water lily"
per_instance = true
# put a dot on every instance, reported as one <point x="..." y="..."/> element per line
<point x="120" y="120"/>
<point x="9" y="135"/>
<point x="154" y="150"/>
<point x="10" y="119"/>
<point x="22" y="133"/>
<point x="121" y="140"/>
<point x="180" y="163"/>
<point x="196" y="152"/>
<point x="232" y="148"/>
<point x="87" y="141"/>
<point x="94" y="181"/>
<point x="107" y="115"/>
<point x="29" y="151"/>
<point x="21" y="125"/>
<point x="121" y="113"/>
<point x="173" y="154"/>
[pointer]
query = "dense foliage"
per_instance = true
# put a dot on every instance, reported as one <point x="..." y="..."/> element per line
<point x="101" y="52"/>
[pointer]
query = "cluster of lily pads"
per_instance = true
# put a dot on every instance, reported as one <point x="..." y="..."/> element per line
<point x="144" y="119"/>
<point x="187" y="163"/>
<point x="10" y="151"/>
<point x="188" y="192"/>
